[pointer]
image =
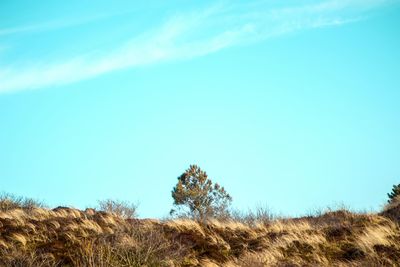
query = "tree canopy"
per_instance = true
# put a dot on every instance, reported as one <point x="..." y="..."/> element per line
<point x="197" y="196"/>
<point x="395" y="192"/>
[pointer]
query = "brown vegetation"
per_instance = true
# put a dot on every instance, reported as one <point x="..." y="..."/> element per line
<point x="70" y="237"/>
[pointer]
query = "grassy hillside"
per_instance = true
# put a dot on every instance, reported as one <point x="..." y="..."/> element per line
<point x="71" y="237"/>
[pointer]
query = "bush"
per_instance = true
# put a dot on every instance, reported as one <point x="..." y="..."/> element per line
<point x="123" y="209"/>
<point x="261" y="214"/>
<point x="10" y="202"/>
<point x="199" y="196"/>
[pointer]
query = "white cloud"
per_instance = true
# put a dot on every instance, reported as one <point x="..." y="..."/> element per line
<point x="183" y="37"/>
<point x="57" y="24"/>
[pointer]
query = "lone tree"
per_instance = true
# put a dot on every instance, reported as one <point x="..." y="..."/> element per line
<point x="196" y="194"/>
<point x="395" y="193"/>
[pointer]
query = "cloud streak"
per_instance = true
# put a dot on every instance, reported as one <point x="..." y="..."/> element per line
<point x="58" y="24"/>
<point x="186" y="36"/>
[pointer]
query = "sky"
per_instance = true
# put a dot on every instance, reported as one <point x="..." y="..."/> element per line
<point x="294" y="105"/>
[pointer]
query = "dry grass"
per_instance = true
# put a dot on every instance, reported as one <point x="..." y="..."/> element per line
<point x="10" y="202"/>
<point x="70" y="237"/>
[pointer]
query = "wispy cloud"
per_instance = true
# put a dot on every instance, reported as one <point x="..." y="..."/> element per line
<point x="57" y="24"/>
<point x="185" y="36"/>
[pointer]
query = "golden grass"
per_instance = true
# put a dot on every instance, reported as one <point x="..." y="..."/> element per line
<point x="70" y="237"/>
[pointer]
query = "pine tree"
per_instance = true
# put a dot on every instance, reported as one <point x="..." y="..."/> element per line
<point x="196" y="193"/>
<point x="395" y="192"/>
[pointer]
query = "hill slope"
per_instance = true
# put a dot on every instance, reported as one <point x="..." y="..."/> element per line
<point x="70" y="237"/>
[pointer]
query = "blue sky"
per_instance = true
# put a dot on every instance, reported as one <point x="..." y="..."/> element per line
<point x="292" y="104"/>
